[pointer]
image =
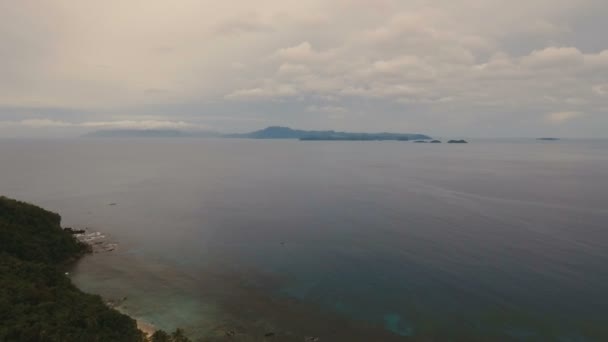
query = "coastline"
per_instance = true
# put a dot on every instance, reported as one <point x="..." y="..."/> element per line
<point x="36" y="290"/>
<point x="147" y="328"/>
<point x="100" y="243"/>
<point x="224" y="309"/>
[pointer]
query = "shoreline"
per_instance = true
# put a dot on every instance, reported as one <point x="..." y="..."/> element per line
<point x="147" y="328"/>
<point x="36" y="258"/>
<point x="282" y="319"/>
<point x="98" y="243"/>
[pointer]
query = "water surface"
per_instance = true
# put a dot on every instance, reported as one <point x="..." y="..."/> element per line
<point x="343" y="240"/>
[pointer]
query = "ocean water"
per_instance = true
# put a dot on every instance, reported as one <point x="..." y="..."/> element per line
<point x="344" y="241"/>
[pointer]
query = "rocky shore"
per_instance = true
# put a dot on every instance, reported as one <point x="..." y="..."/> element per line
<point x="99" y="242"/>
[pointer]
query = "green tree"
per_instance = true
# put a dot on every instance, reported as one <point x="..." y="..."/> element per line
<point x="37" y="301"/>
<point x="160" y="336"/>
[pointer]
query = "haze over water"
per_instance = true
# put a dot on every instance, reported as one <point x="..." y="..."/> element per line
<point x="494" y="238"/>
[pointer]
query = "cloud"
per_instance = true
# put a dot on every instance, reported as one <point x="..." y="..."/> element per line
<point x="245" y="23"/>
<point x="302" y="53"/>
<point x="268" y="92"/>
<point x="145" y="124"/>
<point x="293" y="69"/>
<point x="39" y="123"/>
<point x="597" y="61"/>
<point x="121" y="124"/>
<point x="562" y="117"/>
<point x="544" y="27"/>
<point x="554" y="57"/>
<point x="327" y="109"/>
<point x="451" y="65"/>
<point x="601" y="89"/>
<point x="156" y="91"/>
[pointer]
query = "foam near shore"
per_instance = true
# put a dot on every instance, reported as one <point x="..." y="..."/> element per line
<point x="96" y="240"/>
<point x="146" y="327"/>
<point x="99" y="244"/>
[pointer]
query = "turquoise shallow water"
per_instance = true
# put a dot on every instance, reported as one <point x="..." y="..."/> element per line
<point x="383" y="240"/>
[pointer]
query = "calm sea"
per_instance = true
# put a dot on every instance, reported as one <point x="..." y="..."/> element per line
<point x="344" y="241"/>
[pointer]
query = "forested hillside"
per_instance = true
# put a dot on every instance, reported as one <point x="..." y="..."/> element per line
<point x="37" y="301"/>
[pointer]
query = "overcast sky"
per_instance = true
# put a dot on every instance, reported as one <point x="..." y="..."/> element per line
<point x="471" y="68"/>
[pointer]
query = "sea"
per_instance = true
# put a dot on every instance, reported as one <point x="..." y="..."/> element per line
<point x="285" y="240"/>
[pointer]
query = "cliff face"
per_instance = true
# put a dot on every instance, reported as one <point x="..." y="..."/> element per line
<point x="37" y="301"/>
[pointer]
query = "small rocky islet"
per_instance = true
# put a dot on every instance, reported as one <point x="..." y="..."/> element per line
<point x="435" y="141"/>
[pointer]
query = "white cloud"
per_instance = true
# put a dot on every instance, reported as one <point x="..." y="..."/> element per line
<point x="562" y="117"/>
<point x="483" y="60"/>
<point x="245" y="23"/>
<point x="262" y="93"/>
<point x="121" y="124"/>
<point x="303" y="53"/>
<point x="597" y="61"/>
<point x="544" y="27"/>
<point x="293" y="69"/>
<point x="38" y="123"/>
<point x="145" y="124"/>
<point x="601" y="89"/>
<point x="554" y="57"/>
<point x="327" y="109"/>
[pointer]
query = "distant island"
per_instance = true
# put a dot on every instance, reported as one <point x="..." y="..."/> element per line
<point x="461" y="141"/>
<point x="272" y="132"/>
<point x="547" y="139"/>
<point x="278" y="132"/>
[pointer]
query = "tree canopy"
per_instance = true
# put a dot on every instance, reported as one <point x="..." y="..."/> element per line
<point x="37" y="301"/>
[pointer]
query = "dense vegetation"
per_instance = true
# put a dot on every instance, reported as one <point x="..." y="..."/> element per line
<point x="32" y="234"/>
<point x="37" y="301"/>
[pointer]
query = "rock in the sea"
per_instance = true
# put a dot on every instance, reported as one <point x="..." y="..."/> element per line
<point x="461" y="141"/>
<point x="74" y="231"/>
<point x="435" y="141"/>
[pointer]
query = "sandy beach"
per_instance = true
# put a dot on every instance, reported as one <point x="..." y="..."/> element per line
<point x="146" y="327"/>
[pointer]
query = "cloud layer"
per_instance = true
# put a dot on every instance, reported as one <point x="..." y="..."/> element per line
<point x="459" y="67"/>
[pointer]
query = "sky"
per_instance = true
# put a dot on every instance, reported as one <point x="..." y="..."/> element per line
<point x="469" y="68"/>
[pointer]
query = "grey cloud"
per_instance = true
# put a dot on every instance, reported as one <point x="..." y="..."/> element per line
<point x="141" y="124"/>
<point x="461" y="66"/>
<point x="245" y="23"/>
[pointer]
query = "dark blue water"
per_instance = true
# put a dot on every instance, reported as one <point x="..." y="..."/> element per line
<point x="490" y="240"/>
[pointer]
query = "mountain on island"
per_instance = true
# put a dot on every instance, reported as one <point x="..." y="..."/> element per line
<point x="278" y="132"/>
<point x="272" y="132"/>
